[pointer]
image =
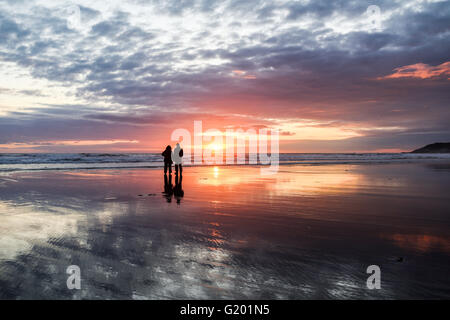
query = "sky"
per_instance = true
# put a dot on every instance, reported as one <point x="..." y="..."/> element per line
<point x="120" y="76"/>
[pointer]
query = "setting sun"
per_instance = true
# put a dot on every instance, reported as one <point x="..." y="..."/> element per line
<point x="215" y="146"/>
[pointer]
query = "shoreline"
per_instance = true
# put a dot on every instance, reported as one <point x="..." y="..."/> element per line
<point x="116" y="166"/>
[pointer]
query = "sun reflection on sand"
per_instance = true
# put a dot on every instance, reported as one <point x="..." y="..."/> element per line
<point x="300" y="182"/>
<point x="313" y="183"/>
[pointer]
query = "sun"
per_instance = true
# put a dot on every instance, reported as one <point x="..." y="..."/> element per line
<point x="215" y="146"/>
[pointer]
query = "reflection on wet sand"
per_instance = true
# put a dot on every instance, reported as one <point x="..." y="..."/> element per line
<point x="168" y="187"/>
<point x="170" y="190"/>
<point x="178" y="191"/>
<point x="421" y="242"/>
<point x="306" y="232"/>
<point x="313" y="181"/>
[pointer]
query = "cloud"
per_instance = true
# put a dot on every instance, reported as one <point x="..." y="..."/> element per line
<point x="420" y="71"/>
<point x="144" y="63"/>
<point x="66" y="143"/>
<point x="10" y="31"/>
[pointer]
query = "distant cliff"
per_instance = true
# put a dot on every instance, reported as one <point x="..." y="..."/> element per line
<point x="440" y="147"/>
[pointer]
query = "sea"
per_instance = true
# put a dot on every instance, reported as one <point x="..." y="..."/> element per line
<point x="70" y="161"/>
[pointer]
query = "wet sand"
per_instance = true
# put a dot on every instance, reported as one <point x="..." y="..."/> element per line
<point x="307" y="232"/>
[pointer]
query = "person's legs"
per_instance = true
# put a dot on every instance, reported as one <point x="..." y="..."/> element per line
<point x="176" y="169"/>
<point x="167" y="166"/>
<point x="181" y="168"/>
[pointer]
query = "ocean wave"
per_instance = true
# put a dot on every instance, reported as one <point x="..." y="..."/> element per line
<point x="52" y="161"/>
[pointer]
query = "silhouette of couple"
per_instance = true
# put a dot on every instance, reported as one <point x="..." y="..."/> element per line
<point x="173" y="157"/>
<point x="169" y="158"/>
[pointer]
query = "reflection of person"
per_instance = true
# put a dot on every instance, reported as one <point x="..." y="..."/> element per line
<point x="177" y="158"/>
<point x="178" y="189"/>
<point x="167" y="154"/>
<point x="168" y="188"/>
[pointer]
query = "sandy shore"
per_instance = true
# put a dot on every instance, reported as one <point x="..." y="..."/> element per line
<point x="227" y="232"/>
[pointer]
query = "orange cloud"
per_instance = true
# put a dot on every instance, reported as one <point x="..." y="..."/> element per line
<point x="420" y="71"/>
<point x="243" y="74"/>
<point x="19" y="145"/>
<point x="90" y="142"/>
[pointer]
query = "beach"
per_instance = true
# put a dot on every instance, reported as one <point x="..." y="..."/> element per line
<point x="307" y="232"/>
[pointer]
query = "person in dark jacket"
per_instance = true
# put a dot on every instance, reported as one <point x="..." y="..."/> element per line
<point x="167" y="154"/>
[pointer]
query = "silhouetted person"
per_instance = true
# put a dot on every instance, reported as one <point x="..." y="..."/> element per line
<point x="178" y="189"/>
<point x="167" y="154"/>
<point x="168" y="188"/>
<point x="178" y="158"/>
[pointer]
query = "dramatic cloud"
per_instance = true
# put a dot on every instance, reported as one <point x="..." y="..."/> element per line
<point x="319" y="71"/>
<point x="421" y="71"/>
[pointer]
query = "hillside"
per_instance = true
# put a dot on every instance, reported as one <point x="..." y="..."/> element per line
<point x="440" y="147"/>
